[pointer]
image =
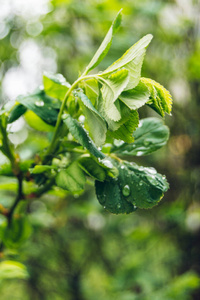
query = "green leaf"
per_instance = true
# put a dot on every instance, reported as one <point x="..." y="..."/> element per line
<point x="92" y="168"/>
<point x="17" y="111"/>
<point x="91" y="88"/>
<point x="36" y="122"/>
<point x="12" y="269"/>
<point x="96" y="124"/>
<point x="160" y="98"/>
<point x="38" y="169"/>
<point x="136" y="97"/>
<point x="113" y="85"/>
<point x="71" y="179"/>
<point x="125" y="114"/>
<point x="81" y="135"/>
<point x="42" y="105"/>
<point x="6" y="169"/>
<point x="125" y="131"/>
<point x="56" y="85"/>
<point x="132" y="61"/>
<point x="105" y="45"/>
<point x="150" y="136"/>
<point x="16" y="232"/>
<point x="135" y="187"/>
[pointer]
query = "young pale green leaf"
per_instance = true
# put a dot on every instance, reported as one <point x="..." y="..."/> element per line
<point x="135" y="187"/>
<point x="150" y="136"/>
<point x="17" y="111"/>
<point x="113" y="85"/>
<point x="92" y="168"/>
<point x="105" y="45"/>
<point x="38" y="169"/>
<point x="91" y="88"/>
<point x="136" y="97"/>
<point x="71" y="179"/>
<point x="125" y="131"/>
<point x="132" y="61"/>
<point x="55" y="86"/>
<point x="12" y="269"/>
<point x="96" y="124"/>
<point x="160" y="98"/>
<point x="81" y="135"/>
<point x="36" y="122"/>
<point x="42" y="105"/>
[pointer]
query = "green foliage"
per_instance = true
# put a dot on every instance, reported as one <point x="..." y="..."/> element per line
<point x="78" y="249"/>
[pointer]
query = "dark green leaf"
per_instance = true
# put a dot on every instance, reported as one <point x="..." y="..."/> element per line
<point x="71" y="179"/>
<point x="150" y="136"/>
<point x="16" y="112"/>
<point x="125" y="131"/>
<point x="17" y="232"/>
<point x="92" y="168"/>
<point x="42" y="105"/>
<point x="81" y="135"/>
<point x="135" y="187"/>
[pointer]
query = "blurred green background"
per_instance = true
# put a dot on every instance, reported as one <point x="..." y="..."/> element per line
<point x="77" y="251"/>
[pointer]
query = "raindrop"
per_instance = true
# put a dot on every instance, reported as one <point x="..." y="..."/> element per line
<point x="107" y="163"/>
<point x="139" y="153"/>
<point x="140" y="183"/>
<point x="104" y="207"/>
<point x="39" y="103"/>
<point x="122" y="167"/>
<point x="126" y="190"/>
<point x="152" y="171"/>
<point x="118" y="205"/>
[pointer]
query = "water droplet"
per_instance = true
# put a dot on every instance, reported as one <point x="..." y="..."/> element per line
<point x="163" y="177"/>
<point x="39" y="103"/>
<point x="126" y="190"/>
<point x="152" y="171"/>
<point x="104" y="207"/>
<point x="139" y="153"/>
<point x="118" y="143"/>
<point x="135" y="207"/>
<point x="107" y="163"/>
<point x="118" y="205"/>
<point x="122" y="167"/>
<point x="140" y="183"/>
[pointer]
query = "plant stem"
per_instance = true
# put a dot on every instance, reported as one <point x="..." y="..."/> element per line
<point x="55" y="139"/>
<point x="19" y="197"/>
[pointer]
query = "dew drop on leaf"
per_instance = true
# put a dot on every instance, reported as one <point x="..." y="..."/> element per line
<point x="126" y="190"/>
<point x="152" y="171"/>
<point x="118" y="205"/>
<point x="39" y="103"/>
